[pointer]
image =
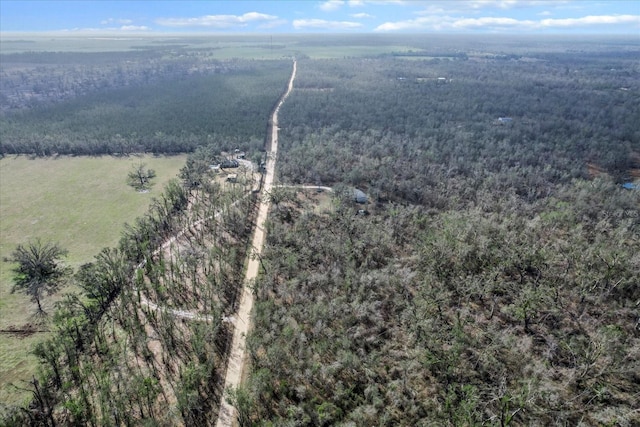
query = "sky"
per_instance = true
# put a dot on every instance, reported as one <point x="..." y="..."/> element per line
<point x="332" y="16"/>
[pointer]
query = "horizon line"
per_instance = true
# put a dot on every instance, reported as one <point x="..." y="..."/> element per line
<point x="264" y="33"/>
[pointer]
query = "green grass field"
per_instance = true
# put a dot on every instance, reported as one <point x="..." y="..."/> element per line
<point x="81" y="203"/>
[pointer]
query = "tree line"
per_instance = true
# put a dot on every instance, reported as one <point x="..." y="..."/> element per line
<point x="119" y="353"/>
<point x="173" y="116"/>
<point x="30" y="79"/>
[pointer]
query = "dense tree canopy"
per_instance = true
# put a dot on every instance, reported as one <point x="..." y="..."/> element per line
<point x="168" y="117"/>
<point x="494" y="281"/>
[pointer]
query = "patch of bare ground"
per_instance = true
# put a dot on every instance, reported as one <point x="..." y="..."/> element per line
<point x="595" y="171"/>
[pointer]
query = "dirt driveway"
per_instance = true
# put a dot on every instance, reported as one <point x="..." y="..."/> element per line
<point x="227" y="416"/>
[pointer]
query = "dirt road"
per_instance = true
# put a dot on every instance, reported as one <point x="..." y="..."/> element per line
<point x="227" y="416"/>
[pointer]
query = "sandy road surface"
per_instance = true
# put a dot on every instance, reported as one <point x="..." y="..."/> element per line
<point x="227" y="416"/>
<point x="308" y="187"/>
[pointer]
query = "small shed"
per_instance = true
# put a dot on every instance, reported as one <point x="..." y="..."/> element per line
<point x="629" y="186"/>
<point x="505" y="119"/>
<point x="359" y="196"/>
<point x="232" y="177"/>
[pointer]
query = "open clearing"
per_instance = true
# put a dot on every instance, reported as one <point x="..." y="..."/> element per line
<point x="81" y="203"/>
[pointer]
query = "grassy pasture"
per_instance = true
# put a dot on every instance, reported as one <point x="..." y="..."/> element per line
<point x="81" y="203"/>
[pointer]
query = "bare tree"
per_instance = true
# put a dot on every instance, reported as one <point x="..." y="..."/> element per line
<point x="140" y="177"/>
<point x="39" y="270"/>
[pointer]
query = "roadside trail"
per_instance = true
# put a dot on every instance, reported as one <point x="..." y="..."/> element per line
<point x="227" y="415"/>
<point x="182" y="314"/>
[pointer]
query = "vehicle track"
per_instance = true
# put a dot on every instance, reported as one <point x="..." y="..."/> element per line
<point x="182" y="314"/>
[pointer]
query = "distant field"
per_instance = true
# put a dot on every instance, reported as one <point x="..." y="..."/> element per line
<point x="81" y="203"/>
<point x="219" y="47"/>
<point x="278" y="46"/>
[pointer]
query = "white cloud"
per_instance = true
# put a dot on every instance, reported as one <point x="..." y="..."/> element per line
<point x="116" y="21"/>
<point x="510" y="4"/>
<point x="474" y="7"/>
<point x="591" y="20"/>
<point x="217" y="21"/>
<point x="477" y="6"/>
<point x="501" y="4"/>
<point x="434" y="9"/>
<point x="421" y="23"/>
<point x="134" y="28"/>
<point x="300" y="24"/>
<point x="331" y="5"/>
<point x="437" y="23"/>
<point x="491" y="22"/>
<point x="544" y="13"/>
<point x="361" y="15"/>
